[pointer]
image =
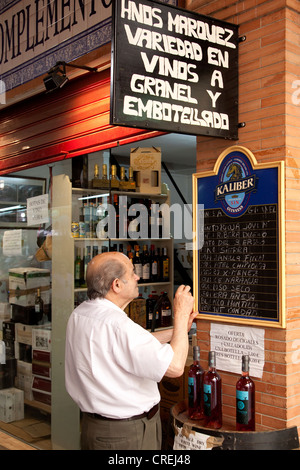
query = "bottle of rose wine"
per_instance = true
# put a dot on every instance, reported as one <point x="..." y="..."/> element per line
<point x="195" y="387"/>
<point x="212" y="394"/>
<point x="245" y="399"/>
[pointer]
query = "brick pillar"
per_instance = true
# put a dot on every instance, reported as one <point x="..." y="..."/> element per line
<point x="269" y="104"/>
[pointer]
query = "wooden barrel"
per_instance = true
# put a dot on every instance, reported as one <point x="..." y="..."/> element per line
<point x="192" y="435"/>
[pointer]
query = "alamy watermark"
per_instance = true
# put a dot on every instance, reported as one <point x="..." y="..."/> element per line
<point x="139" y="221"/>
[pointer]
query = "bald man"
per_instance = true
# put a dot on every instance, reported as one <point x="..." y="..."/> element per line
<point x="113" y="365"/>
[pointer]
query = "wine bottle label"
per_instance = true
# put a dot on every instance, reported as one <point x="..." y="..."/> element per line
<point x="165" y="269"/>
<point x="166" y="313"/>
<point x="207" y="399"/>
<point x="154" y="268"/>
<point x="191" y="384"/>
<point x="138" y="270"/>
<point x="146" y="271"/>
<point x="242" y="401"/>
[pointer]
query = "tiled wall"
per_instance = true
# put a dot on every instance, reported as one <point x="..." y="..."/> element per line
<point x="269" y="104"/>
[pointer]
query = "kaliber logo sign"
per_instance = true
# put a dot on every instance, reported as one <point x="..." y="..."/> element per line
<point x="236" y="183"/>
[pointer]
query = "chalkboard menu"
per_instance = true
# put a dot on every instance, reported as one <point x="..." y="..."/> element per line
<point x="238" y="272"/>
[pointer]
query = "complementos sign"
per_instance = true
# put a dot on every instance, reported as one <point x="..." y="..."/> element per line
<point x="174" y="70"/>
<point x="35" y="34"/>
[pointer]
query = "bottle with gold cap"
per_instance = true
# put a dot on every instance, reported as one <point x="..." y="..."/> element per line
<point x="100" y="183"/>
<point x="122" y="182"/>
<point x="95" y="180"/>
<point x="114" y="182"/>
<point x="131" y="182"/>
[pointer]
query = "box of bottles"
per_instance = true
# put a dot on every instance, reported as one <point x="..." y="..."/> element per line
<point x="23" y="379"/>
<point x="175" y="389"/>
<point x="41" y="389"/>
<point x="23" y="284"/>
<point x="146" y="165"/>
<point x="11" y="405"/>
<point x="41" y="338"/>
<point x="7" y="373"/>
<point x="137" y="311"/>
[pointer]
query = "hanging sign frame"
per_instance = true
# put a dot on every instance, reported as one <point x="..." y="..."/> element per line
<point x="239" y="270"/>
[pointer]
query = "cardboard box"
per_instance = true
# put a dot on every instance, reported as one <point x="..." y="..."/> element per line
<point x="23" y="284"/>
<point x="146" y="165"/>
<point x="41" y="390"/>
<point x="174" y="390"/>
<point x="11" y="405"/>
<point x="24" y="333"/>
<point x="41" y="356"/>
<point x="41" y="338"/>
<point x="7" y="373"/>
<point x="41" y="369"/>
<point x="8" y="328"/>
<point x="137" y="311"/>
<point x="24" y="382"/>
<point x="5" y="311"/>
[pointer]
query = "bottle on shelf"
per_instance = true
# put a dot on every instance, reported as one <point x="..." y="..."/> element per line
<point x="116" y="215"/>
<point x="95" y="180"/>
<point x="151" y="317"/>
<point x="100" y="183"/>
<point x="38" y="306"/>
<point x="212" y="394"/>
<point x="93" y="212"/>
<point x="86" y="217"/>
<point x="77" y="269"/>
<point x="154" y="263"/>
<point x="82" y="227"/>
<point x="122" y="182"/>
<point x="114" y="181"/>
<point x="137" y="262"/>
<point x="145" y="264"/>
<point x="102" y="222"/>
<point x="165" y="263"/>
<point x="245" y="399"/>
<point x="165" y="311"/>
<point x="86" y="260"/>
<point x="195" y="387"/>
<point x="131" y="182"/>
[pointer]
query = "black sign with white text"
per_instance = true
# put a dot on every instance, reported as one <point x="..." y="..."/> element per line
<point x="173" y="70"/>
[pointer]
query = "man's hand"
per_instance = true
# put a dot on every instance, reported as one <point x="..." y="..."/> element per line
<point x="184" y="305"/>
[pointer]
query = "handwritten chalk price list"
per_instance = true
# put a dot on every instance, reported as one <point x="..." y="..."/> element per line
<point x="238" y="263"/>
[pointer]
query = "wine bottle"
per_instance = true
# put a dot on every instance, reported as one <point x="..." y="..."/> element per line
<point x="137" y="261"/>
<point x="145" y="265"/>
<point x="212" y="394"/>
<point x="153" y="264"/>
<point x="116" y="214"/>
<point x="150" y="309"/>
<point x="245" y="399"/>
<point x="165" y="265"/>
<point x="195" y="387"/>
<point x="165" y="311"/>
<point x="77" y="269"/>
<point x="38" y="306"/>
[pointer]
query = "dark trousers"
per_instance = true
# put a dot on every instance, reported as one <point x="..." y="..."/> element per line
<point x="138" y="434"/>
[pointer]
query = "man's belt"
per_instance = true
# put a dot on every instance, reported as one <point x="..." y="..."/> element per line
<point x="148" y="414"/>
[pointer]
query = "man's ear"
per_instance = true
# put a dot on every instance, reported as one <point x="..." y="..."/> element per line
<point x="116" y="285"/>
